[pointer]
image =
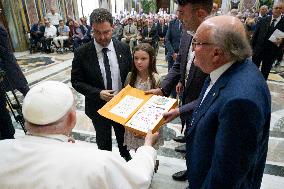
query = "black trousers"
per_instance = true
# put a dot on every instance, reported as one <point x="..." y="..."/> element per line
<point x="103" y="129"/>
<point x="7" y="129"/>
<point x="266" y="57"/>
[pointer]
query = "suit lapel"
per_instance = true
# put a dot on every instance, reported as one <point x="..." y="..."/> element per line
<point x="119" y="54"/>
<point x="279" y="24"/>
<point x="96" y="65"/>
<point x="211" y="97"/>
<point x="190" y="75"/>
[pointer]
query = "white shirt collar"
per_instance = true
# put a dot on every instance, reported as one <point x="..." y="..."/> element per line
<point x="192" y="33"/>
<point x="56" y="137"/>
<point x="214" y="75"/>
<point x="277" y="19"/>
<point x="99" y="48"/>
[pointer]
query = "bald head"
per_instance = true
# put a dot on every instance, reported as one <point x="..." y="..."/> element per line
<point x="224" y="40"/>
<point x="226" y="23"/>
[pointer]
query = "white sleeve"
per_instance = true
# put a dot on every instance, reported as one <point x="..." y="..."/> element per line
<point x="135" y="174"/>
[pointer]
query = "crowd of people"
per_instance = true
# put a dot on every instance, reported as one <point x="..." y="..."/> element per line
<point x="226" y="103"/>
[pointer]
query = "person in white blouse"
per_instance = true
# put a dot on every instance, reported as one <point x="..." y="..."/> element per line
<point x="47" y="157"/>
<point x="49" y="33"/>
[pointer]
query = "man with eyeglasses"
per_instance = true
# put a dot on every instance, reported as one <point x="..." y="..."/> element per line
<point x="184" y="75"/>
<point x="99" y="70"/>
<point x="266" y="51"/>
<point x="228" y="134"/>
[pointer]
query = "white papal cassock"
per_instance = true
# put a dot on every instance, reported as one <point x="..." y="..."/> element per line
<point x="51" y="162"/>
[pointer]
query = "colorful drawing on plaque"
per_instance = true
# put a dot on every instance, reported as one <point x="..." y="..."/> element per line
<point x="162" y="101"/>
<point x="126" y="106"/>
<point x="147" y="117"/>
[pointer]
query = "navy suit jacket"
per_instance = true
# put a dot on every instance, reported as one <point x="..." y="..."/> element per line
<point x="162" y="30"/>
<point x="173" y="38"/>
<point x="86" y="77"/>
<point x="227" y="140"/>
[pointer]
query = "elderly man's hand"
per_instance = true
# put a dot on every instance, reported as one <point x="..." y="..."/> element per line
<point x="171" y="115"/>
<point x="157" y="91"/>
<point x="107" y="95"/>
<point x="151" y="139"/>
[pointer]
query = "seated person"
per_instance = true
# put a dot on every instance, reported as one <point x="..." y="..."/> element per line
<point x="49" y="34"/>
<point x="149" y="34"/>
<point x="47" y="157"/>
<point x="129" y="33"/>
<point x="87" y="29"/>
<point x="37" y="33"/>
<point x="78" y="35"/>
<point x="118" y="31"/>
<point x="63" y="31"/>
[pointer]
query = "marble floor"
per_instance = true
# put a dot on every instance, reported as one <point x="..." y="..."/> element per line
<point x="39" y="67"/>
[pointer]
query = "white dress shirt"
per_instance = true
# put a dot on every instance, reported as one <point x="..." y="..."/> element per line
<point x="114" y="67"/>
<point x="50" y="32"/>
<point x="277" y="20"/>
<point x="214" y="76"/>
<point x="48" y="161"/>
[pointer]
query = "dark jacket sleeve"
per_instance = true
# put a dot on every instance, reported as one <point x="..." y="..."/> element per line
<point x="79" y="78"/>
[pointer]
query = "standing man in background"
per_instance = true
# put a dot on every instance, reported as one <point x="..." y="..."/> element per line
<point x="99" y="70"/>
<point x="172" y="42"/>
<point x="264" y="50"/>
<point x="53" y="17"/>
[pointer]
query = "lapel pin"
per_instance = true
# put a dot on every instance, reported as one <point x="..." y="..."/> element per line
<point x="120" y="56"/>
<point x="214" y="94"/>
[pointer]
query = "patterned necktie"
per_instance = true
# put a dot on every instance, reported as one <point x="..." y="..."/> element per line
<point x="107" y="69"/>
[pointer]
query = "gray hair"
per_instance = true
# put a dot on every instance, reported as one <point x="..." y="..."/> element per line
<point x="234" y="44"/>
<point x="101" y="15"/>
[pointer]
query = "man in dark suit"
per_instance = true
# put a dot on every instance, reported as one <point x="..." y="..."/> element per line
<point x="14" y="74"/>
<point x="172" y="40"/>
<point x="264" y="50"/>
<point x="149" y="34"/>
<point x="227" y="138"/>
<point x="162" y="29"/>
<point x="184" y="75"/>
<point x="99" y="70"/>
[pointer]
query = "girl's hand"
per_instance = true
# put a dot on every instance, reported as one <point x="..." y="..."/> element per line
<point x="157" y="91"/>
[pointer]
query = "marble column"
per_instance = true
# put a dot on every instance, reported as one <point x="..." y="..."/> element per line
<point x="104" y="4"/>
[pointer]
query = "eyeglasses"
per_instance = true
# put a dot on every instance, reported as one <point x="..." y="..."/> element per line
<point x="195" y="43"/>
<point x="104" y="33"/>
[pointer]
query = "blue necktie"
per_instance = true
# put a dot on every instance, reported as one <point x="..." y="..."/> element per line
<point x="107" y="69"/>
<point x="204" y="88"/>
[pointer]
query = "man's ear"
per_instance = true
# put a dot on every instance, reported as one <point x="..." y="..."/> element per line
<point x="217" y="52"/>
<point x="71" y="120"/>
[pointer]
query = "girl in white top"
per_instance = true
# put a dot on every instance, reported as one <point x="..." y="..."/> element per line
<point x="143" y="76"/>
